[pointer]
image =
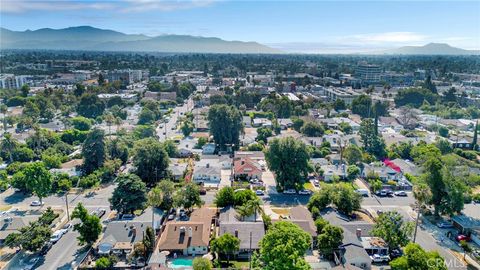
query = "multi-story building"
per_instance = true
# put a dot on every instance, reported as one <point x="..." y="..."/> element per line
<point x="369" y="73"/>
<point x="128" y="76"/>
<point x="345" y="94"/>
<point x="10" y="81"/>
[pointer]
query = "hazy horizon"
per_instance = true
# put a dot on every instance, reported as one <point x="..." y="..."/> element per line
<point x="300" y="27"/>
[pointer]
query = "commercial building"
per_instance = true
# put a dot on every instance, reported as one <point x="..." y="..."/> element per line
<point x="10" y="81"/>
<point x="125" y="75"/>
<point x="345" y="94"/>
<point x="369" y="73"/>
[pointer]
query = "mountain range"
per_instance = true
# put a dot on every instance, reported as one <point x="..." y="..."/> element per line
<point x="430" y="49"/>
<point x="94" y="39"/>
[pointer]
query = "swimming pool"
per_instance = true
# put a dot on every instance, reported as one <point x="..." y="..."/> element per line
<point x="181" y="263"/>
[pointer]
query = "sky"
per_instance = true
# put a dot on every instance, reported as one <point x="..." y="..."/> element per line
<point x="294" y="26"/>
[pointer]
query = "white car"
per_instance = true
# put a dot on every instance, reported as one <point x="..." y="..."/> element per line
<point x="380" y="258"/>
<point x="67" y="226"/>
<point x="36" y="203"/>
<point x="289" y="191"/>
<point x="400" y="193"/>
<point x="259" y="192"/>
<point x="56" y="236"/>
<point x="305" y="192"/>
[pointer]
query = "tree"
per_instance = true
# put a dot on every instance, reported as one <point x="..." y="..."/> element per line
<point x="263" y="133"/>
<point x="428" y="84"/>
<point x="283" y="247"/>
<point x="475" y="137"/>
<point x="346" y="199"/>
<point x="38" y="179"/>
<point x="81" y="123"/>
<point x="415" y="257"/>
<point x="297" y="123"/>
<point x="155" y="197"/>
<point x="225" y="197"/>
<point x="129" y="195"/>
<point x="31" y="237"/>
<point x="391" y="227"/>
<point x="362" y="105"/>
<point x="187" y="128"/>
<point x="149" y="240"/>
<point x="167" y="187"/>
<point x="353" y="154"/>
<point x="93" y="151"/>
<point x="352" y="172"/>
<point x="466" y="248"/>
<point x="312" y="129"/>
<point x="372" y="142"/>
<point x="443" y="131"/>
<point x="170" y="148"/>
<point x="255" y="206"/>
<point x="329" y="238"/>
<point x="189" y="196"/>
<point x="103" y="263"/>
<point x="339" y="105"/>
<point x="434" y="179"/>
<point x="151" y="160"/>
<point x="225" y="244"/>
<point x="90" y="106"/>
<point x="414" y="97"/>
<point x="321" y="199"/>
<point x="288" y="159"/>
<point x="201" y="264"/>
<point x="225" y="124"/>
<point x="90" y="226"/>
<point x="146" y="117"/>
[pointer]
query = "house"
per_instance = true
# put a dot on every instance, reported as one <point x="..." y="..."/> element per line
<point x="208" y="149"/>
<point x="188" y="238"/>
<point x="224" y="160"/>
<point x="247" y="121"/>
<point x="12" y="224"/>
<point x="385" y="173"/>
<point x="120" y="237"/>
<point x="257" y="156"/>
<point x="330" y="172"/>
<point x="407" y="166"/>
<point x="352" y="253"/>
<point x="262" y="122"/>
<point x="177" y="169"/>
<point x="249" y="232"/>
<point x="303" y="218"/>
<point x="374" y="245"/>
<point x="246" y="168"/>
<point x="184" y="153"/>
<point x="207" y="171"/>
<point x="285" y="123"/>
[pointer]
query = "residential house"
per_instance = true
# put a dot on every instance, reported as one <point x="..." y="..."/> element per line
<point x="262" y="122"/>
<point x="247" y="121"/>
<point x="385" y="173"/>
<point x="12" y="224"/>
<point x="303" y="218"/>
<point x="120" y="237"/>
<point x="224" y="160"/>
<point x="177" y="169"/>
<point x="374" y="245"/>
<point x="207" y="171"/>
<point x="188" y="238"/>
<point x="285" y="123"/>
<point x="246" y="168"/>
<point x="249" y="232"/>
<point x="330" y="172"/>
<point x="208" y="149"/>
<point x="257" y="156"/>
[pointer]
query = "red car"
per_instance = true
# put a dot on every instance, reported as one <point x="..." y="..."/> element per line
<point x="462" y="237"/>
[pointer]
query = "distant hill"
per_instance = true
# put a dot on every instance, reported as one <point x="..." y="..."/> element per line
<point x="94" y="39"/>
<point x="431" y="49"/>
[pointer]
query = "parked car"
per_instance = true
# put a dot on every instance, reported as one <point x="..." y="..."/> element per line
<point x="99" y="212"/>
<point x="128" y="216"/>
<point x="290" y="191"/>
<point x="389" y="193"/>
<point x="45" y="248"/>
<point x="395" y="253"/>
<point x="30" y="263"/>
<point x="376" y="258"/>
<point x="400" y="193"/>
<point x="56" y="236"/>
<point x="445" y="224"/>
<point x="36" y="203"/>
<point x="171" y="217"/>
<point x="363" y="192"/>
<point x="259" y="192"/>
<point x="203" y="191"/>
<point x="462" y="237"/>
<point x="316" y="183"/>
<point x="67" y="226"/>
<point x="305" y="192"/>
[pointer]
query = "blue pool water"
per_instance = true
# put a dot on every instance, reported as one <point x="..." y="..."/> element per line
<point x="181" y="263"/>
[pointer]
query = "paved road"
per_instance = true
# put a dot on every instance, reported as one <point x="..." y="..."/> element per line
<point x="167" y="130"/>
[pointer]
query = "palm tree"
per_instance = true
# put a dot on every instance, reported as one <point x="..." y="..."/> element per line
<point x="155" y="199"/>
<point x="3" y="110"/>
<point x="255" y="206"/>
<point x="8" y="144"/>
<point x="422" y="194"/>
<point x="109" y="119"/>
<point x="244" y="211"/>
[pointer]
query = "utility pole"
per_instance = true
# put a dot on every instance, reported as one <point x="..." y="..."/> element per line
<point x="66" y="203"/>
<point x="250" y="253"/>
<point x="416" y="224"/>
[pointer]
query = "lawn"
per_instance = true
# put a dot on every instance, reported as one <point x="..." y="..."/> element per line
<point x="5" y="207"/>
<point x="309" y="186"/>
<point x="281" y="211"/>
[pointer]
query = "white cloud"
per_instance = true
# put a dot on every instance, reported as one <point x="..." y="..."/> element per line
<point x="19" y="6"/>
<point x="389" y="37"/>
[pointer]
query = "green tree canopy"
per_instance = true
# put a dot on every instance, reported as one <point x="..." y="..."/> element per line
<point x="391" y="227"/>
<point x="283" y="247"/>
<point x="93" y="151"/>
<point x="288" y="159"/>
<point x="225" y="244"/>
<point x="129" y="195"/>
<point x="89" y="228"/>
<point x="90" y="106"/>
<point x="151" y="160"/>
<point x="38" y="179"/>
<point x="225" y="125"/>
<point x="415" y="257"/>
